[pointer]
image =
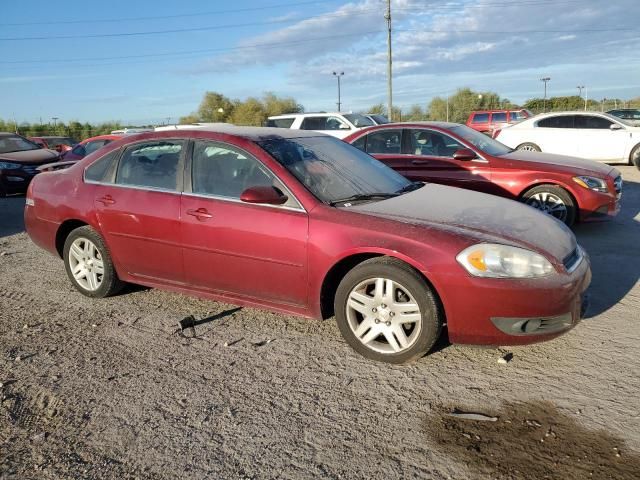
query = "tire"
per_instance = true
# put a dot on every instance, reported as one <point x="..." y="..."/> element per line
<point x="553" y="200"/>
<point x="374" y="327"/>
<point x="85" y="253"/>
<point x="528" y="147"/>
<point x="634" y="158"/>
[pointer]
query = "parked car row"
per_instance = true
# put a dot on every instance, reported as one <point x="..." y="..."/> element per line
<point x="303" y="223"/>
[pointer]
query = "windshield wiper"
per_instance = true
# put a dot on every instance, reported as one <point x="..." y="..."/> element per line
<point x="362" y="197"/>
<point x="410" y="187"/>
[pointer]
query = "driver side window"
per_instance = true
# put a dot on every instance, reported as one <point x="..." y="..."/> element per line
<point x="220" y="170"/>
<point x="432" y="143"/>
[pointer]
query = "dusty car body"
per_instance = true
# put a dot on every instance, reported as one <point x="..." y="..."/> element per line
<point x="302" y="223"/>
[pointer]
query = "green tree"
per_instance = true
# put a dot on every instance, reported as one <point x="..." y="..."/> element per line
<point x="250" y="112"/>
<point x="462" y="103"/>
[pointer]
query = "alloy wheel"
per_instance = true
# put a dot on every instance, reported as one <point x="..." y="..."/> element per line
<point x="86" y="265"/>
<point x="383" y="315"/>
<point x="549" y="203"/>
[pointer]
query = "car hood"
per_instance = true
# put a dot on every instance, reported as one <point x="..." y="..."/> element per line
<point x="485" y="218"/>
<point x="30" y="156"/>
<point x="576" y="165"/>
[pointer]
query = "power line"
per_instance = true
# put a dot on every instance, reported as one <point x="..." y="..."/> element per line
<point x="162" y="17"/>
<point x="253" y="24"/>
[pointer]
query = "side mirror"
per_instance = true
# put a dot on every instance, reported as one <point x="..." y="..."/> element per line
<point x="615" y="126"/>
<point x="268" y="195"/>
<point x="464" y="154"/>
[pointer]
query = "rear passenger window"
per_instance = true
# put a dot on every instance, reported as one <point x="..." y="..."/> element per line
<point x="480" y="118"/>
<point x="99" y="170"/>
<point x="152" y="165"/>
<point x="499" y="117"/>
<point x="314" y="123"/>
<point x="280" y="122"/>
<point x="385" y="142"/>
<point x="560" y="121"/>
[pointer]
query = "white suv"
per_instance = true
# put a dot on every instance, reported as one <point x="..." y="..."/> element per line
<point x="335" y="124"/>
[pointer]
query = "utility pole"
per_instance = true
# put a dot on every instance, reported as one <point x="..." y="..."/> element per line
<point x="544" y="103"/>
<point x="387" y="16"/>
<point x="580" y="88"/>
<point x="586" y="95"/>
<point x="55" y="119"/>
<point x="338" y="75"/>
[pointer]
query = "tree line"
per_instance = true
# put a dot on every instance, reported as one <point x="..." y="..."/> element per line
<point x="216" y="107"/>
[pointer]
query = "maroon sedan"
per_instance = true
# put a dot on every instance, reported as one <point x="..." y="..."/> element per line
<point x="571" y="189"/>
<point x="88" y="146"/>
<point x="304" y="223"/>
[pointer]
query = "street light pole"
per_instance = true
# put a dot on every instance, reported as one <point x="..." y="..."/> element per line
<point x="387" y="16"/>
<point x="55" y="119"/>
<point x="338" y="75"/>
<point x="544" y="104"/>
<point x="586" y="95"/>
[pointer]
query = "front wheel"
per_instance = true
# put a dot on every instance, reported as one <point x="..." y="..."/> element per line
<point x="89" y="265"/>
<point x="552" y="200"/>
<point x="387" y="312"/>
<point x="634" y="158"/>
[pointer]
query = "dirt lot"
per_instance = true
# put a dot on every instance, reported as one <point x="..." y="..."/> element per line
<point x="113" y="389"/>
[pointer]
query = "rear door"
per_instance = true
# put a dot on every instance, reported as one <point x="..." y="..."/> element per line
<point x="138" y="210"/>
<point x="232" y="247"/>
<point x="556" y="134"/>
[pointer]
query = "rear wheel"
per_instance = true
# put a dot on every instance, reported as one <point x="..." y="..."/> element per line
<point x="553" y="200"/>
<point x="528" y="147"/>
<point x="387" y="312"/>
<point x="88" y="264"/>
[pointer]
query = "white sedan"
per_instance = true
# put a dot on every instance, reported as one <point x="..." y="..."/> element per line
<point x="592" y="135"/>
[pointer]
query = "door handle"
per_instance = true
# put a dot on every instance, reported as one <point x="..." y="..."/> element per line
<point x="201" y="214"/>
<point x="107" y="200"/>
<point x="419" y="162"/>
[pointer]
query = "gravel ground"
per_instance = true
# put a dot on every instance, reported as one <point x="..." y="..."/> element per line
<point x="114" y="389"/>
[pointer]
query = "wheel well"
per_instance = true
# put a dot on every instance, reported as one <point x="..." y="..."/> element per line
<point x="63" y="232"/>
<point x="573" y="198"/>
<point x="340" y="269"/>
<point x="633" y="150"/>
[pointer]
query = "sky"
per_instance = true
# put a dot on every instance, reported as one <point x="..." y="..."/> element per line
<point x="150" y="61"/>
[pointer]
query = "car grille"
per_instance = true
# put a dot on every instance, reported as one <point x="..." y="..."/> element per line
<point x="617" y="183"/>
<point x="572" y="260"/>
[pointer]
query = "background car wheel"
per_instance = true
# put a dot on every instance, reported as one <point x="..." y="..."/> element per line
<point x="88" y="264"/>
<point x="387" y="312"/>
<point x="528" y="147"/>
<point x="554" y="200"/>
<point x="634" y="158"/>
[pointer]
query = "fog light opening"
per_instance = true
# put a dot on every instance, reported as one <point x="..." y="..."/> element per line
<point x="531" y="326"/>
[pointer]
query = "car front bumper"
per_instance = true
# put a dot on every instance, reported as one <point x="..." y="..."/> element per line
<point x="483" y="311"/>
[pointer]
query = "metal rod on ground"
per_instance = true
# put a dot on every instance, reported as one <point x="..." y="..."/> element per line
<point x="389" y="63"/>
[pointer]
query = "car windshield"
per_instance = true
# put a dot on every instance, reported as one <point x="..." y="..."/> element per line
<point x="16" y="143"/>
<point x="623" y="121"/>
<point x="334" y="170"/>
<point x="358" y="120"/>
<point x="481" y="141"/>
<point x="380" y="119"/>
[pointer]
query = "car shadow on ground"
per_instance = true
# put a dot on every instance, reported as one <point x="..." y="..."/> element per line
<point x="614" y="249"/>
<point x="11" y="215"/>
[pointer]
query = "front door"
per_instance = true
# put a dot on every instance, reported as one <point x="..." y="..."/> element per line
<point x="597" y="141"/>
<point x="254" y="251"/>
<point x="139" y="213"/>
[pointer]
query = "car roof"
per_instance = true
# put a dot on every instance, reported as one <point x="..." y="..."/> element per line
<point x="8" y="134"/>
<point x="425" y="123"/>
<point x="312" y="114"/>
<point x="254" y="134"/>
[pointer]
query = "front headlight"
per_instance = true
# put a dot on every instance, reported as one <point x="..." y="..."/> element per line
<point x="502" y="261"/>
<point x="592" y="183"/>
<point x="9" y="166"/>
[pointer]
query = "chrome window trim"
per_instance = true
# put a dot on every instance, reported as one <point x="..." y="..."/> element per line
<point x="237" y="200"/>
<point x="134" y="187"/>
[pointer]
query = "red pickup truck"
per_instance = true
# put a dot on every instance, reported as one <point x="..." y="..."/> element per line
<point x="487" y="121"/>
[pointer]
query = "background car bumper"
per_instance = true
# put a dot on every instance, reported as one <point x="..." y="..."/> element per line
<point x="473" y="304"/>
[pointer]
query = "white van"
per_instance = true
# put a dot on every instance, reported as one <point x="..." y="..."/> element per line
<point x="333" y="123"/>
